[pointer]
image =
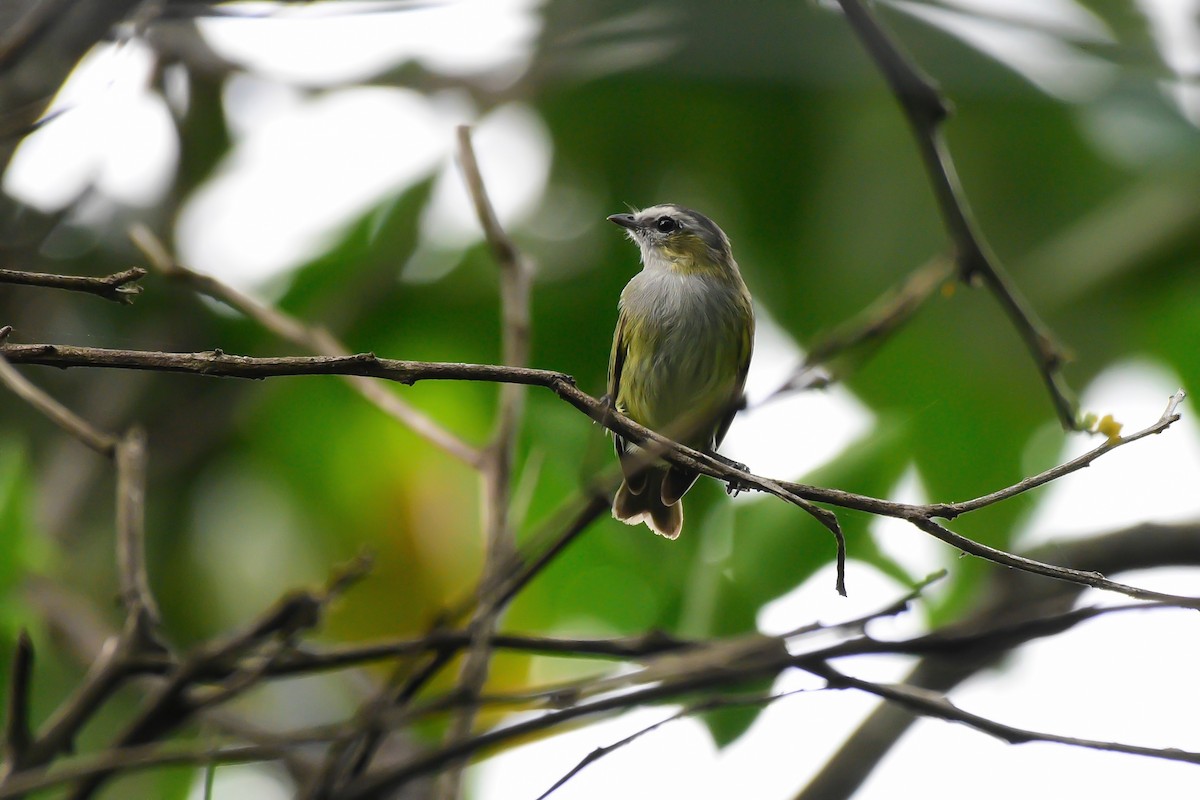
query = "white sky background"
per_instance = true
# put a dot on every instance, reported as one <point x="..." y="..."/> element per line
<point x="256" y="219"/>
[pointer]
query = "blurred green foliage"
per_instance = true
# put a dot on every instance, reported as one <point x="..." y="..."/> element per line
<point x="769" y="118"/>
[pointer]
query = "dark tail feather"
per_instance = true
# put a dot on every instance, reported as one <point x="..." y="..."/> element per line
<point x="676" y="483"/>
<point x="647" y="506"/>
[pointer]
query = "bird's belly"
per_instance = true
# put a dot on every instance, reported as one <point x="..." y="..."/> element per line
<point x="686" y="381"/>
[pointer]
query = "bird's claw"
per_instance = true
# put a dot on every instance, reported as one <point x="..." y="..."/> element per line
<point x="606" y="405"/>
<point x="732" y="486"/>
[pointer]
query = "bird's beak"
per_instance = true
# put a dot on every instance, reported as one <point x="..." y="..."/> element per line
<point x="624" y="220"/>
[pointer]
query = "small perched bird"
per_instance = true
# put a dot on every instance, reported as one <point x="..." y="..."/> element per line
<point x="679" y="356"/>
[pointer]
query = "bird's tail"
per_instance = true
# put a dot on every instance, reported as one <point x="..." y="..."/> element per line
<point x="647" y="506"/>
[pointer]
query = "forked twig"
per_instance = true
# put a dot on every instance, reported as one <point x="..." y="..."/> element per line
<point x="120" y="287"/>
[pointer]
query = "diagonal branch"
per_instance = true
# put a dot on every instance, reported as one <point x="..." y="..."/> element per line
<point x="53" y="410"/>
<point x="926" y="110"/>
<point x="931" y="704"/>
<point x="349" y="754"/>
<point x="711" y="704"/>
<point x="858" y="338"/>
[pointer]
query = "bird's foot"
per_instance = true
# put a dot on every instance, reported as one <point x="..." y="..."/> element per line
<point x="732" y="486"/>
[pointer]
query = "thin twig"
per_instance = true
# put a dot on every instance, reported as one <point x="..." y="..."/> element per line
<point x="409" y="372"/>
<point x="315" y="339"/>
<point x="926" y="110"/>
<point x="952" y="510"/>
<point x="931" y="704"/>
<point x="948" y="511"/>
<point x="712" y="704"/>
<point x="120" y="287"/>
<point x="307" y="661"/>
<point x="825" y="517"/>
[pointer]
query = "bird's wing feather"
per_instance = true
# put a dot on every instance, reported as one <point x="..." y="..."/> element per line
<point x="633" y="468"/>
<point x="745" y="348"/>
<point x="616" y="361"/>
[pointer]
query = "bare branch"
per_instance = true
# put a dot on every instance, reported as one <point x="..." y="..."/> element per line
<point x="315" y="339"/>
<point x="120" y="287"/>
<point x="217" y="363"/>
<point x="926" y="110"/>
<point x="597" y="503"/>
<point x="1082" y="577"/>
<point x="140" y="607"/>
<point x="409" y="372"/>
<point x="673" y="668"/>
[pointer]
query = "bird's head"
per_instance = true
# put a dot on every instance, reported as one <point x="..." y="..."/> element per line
<point x="676" y="237"/>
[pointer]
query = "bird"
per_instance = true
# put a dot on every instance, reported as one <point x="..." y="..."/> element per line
<point x="680" y="354"/>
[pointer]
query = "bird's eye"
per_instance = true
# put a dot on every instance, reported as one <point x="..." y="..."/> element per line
<point x="666" y="225"/>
